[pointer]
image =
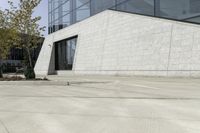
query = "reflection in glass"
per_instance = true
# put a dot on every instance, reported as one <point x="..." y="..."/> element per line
<point x="82" y="12"/>
<point x="64" y="54"/>
<point x="137" y="6"/>
<point x="81" y="2"/>
<point x="63" y="13"/>
<point x="101" y="5"/>
<point x="179" y="9"/>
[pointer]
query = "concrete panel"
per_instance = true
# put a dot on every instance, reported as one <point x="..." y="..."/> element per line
<point x="43" y="63"/>
<point x="119" y="43"/>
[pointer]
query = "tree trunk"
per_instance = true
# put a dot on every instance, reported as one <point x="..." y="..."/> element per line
<point x="29" y="72"/>
<point x="1" y="71"/>
<point x="29" y="57"/>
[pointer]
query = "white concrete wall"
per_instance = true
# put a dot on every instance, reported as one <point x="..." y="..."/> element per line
<point x="120" y="43"/>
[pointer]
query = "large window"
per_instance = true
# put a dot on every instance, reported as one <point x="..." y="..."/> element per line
<point x="177" y="9"/>
<point x="81" y="2"/>
<point x="186" y="10"/>
<point x="82" y="12"/>
<point x="59" y="14"/>
<point x="136" y="6"/>
<point x="63" y="13"/>
<point x="101" y="5"/>
<point x="64" y="54"/>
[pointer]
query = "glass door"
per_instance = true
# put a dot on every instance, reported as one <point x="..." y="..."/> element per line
<point x="64" y="54"/>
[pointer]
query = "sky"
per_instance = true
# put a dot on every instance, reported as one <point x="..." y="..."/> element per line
<point x="41" y="10"/>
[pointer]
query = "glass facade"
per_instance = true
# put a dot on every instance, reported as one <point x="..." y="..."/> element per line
<point x="63" y="13"/>
<point x="64" y="54"/>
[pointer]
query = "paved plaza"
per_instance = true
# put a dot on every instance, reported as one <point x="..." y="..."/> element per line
<point x="100" y="104"/>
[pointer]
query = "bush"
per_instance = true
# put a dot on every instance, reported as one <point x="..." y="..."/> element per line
<point x="29" y="73"/>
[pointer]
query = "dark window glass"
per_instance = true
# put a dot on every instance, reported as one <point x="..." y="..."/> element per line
<point x="179" y="9"/>
<point x="59" y="14"/>
<point x="195" y="19"/>
<point x="137" y="6"/>
<point x="63" y="13"/>
<point x="61" y="55"/>
<point x="101" y="5"/>
<point x="56" y="4"/>
<point x="56" y="14"/>
<point x="71" y="47"/>
<point x="82" y="12"/>
<point x="195" y="6"/>
<point x="194" y="11"/>
<point x="81" y="2"/>
<point x="64" y="54"/>
<point x="66" y="7"/>
<point x="66" y="20"/>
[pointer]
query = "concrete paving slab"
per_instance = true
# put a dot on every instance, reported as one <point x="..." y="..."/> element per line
<point x="101" y="104"/>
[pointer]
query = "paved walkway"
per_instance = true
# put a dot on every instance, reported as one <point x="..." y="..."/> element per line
<point x="99" y="104"/>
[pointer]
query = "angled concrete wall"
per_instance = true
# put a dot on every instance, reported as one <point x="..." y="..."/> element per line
<point x="120" y="43"/>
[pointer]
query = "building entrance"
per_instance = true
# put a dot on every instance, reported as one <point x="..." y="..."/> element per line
<point x="64" y="54"/>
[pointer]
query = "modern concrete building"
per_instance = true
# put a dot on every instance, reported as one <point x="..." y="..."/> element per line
<point x="122" y="37"/>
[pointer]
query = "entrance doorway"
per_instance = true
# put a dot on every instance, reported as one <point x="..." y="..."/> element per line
<point x="64" y="54"/>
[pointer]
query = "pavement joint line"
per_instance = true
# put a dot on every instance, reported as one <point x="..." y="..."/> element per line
<point x="103" y="97"/>
<point x="143" y="86"/>
<point x="6" y="129"/>
<point x="133" y="91"/>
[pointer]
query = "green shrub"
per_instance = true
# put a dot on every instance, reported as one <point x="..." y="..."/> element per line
<point x="29" y="73"/>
